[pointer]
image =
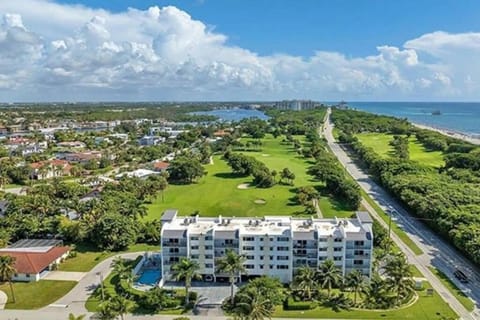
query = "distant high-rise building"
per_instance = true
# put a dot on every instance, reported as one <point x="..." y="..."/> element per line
<point x="296" y="105"/>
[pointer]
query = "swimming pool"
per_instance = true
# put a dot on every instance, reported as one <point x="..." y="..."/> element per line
<point x="149" y="277"/>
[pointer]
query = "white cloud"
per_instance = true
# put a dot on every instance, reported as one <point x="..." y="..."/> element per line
<point x="50" y="51"/>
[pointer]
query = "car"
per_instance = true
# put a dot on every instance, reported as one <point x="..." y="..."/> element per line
<point x="460" y="276"/>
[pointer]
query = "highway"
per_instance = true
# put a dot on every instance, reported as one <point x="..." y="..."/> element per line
<point x="436" y="252"/>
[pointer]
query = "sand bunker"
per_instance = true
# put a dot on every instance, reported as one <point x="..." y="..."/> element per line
<point x="260" y="201"/>
<point x="243" y="186"/>
<point x="265" y="155"/>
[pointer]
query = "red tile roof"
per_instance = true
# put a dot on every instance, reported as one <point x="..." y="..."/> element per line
<point x="34" y="262"/>
<point x="64" y="164"/>
<point x="162" y="165"/>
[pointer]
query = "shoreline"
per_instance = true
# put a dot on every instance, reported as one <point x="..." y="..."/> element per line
<point x="450" y="133"/>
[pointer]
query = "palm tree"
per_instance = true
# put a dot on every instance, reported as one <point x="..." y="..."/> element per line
<point x="186" y="270"/>
<point x="71" y="316"/>
<point x="7" y="271"/>
<point x="400" y="276"/>
<point x="305" y="281"/>
<point x="254" y="307"/>
<point x="376" y="294"/>
<point x="328" y="275"/>
<point x="121" y="305"/>
<point x="3" y="180"/>
<point x="232" y="264"/>
<point x="119" y="267"/>
<point x="356" y="281"/>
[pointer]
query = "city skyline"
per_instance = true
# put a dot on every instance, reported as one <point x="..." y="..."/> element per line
<point x="208" y="50"/>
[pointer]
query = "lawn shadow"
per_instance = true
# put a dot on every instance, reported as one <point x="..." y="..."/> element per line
<point x="228" y="175"/>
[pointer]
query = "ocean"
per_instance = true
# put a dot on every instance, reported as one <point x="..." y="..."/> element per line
<point x="454" y="116"/>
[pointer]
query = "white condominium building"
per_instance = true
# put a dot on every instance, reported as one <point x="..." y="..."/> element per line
<point x="273" y="246"/>
<point x="296" y="105"/>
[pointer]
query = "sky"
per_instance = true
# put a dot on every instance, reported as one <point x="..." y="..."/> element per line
<point x="145" y="50"/>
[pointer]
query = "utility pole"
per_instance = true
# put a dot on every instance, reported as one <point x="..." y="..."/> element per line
<point x="101" y="285"/>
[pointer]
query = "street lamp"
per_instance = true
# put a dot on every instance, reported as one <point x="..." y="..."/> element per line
<point x="101" y="284"/>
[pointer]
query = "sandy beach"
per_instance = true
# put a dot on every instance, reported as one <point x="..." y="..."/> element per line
<point x="450" y="133"/>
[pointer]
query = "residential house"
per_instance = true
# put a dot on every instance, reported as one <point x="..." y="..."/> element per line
<point x="160" y="166"/>
<point x="72" y="144"/>
<point x="49" y="169"/>
<point x="35" y="258"/>
<point x="139" y="173"/>
<point x="150" y="140"/>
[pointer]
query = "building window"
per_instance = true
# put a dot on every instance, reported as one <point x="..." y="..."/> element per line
<point x="193" y="248"/>
<point x="271" y="239"/>
<point x="272" y="248"/>
<point x="284" y="258"/>
<point x="261" y="257"/>
<point x="283" y="239"/>
<point x="27" y="275"/>
<point x="359" y="252"/>
<point x="261" y="238"/>
<point x="208" y="238"/>
<point x="208" y="247"/>
<point x="322" y="239"/>
<point x="337" y="258"/>
<point x="174" y="250"/>
<point x="322" y="249"/>
<point x="208" y="256"/>
<point x="261" y="248"/>
<point x="271" y="266"/>
<point x="229" y="241"/>
<point x="337" y="249"/>
<point x="208" y="265"/>
<point x="338" y="240"/>
<point x="283" y="248"/>
<point x="261" y="266"/>
<point x="194" y="238"/>
<point x="282" y="267"/>
<point x="249" y="266"/>
<point x="322" y="258"/>
<point x="248" y="239"/>
<point x="359" y="243"/>
<point x="248" y="248"/>
<point x="194" y="256"/>
<point x="357" y="262"/>
<point x="173" y="240"/>
<point x="250" y="257"/>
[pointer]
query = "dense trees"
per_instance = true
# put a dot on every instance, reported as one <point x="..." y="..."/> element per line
<point x="185" y="169"/>
<point x="446" y="199"/>
<point x="246" y="165"/>
<point x="114" y="231"/>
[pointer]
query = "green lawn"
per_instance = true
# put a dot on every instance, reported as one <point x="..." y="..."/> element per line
<point x="380" y="143"/>
<point x="426" y="308"/>
<point x="34" y="295"/>
<point x="87" y="256"/>
<point x="461" y="297"/>
<point x="217" y="192"/>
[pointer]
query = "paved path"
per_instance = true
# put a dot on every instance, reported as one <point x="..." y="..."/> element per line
<point x="74" y="301"/>
<point x="437" y="253"/>
<point x="64" y="275"/>
<point x="3" y="299"/>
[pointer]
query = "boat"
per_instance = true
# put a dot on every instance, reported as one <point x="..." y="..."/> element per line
<point x="436" y="113"/>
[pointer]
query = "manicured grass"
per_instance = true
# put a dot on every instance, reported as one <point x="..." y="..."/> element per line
<point x="395" y="228"/>
<point x="461" y="297"/>
<point x="380" y="143"/>
<point x="217" y="192"/>
<point x="34" y="295"/>
<point x="426" y="308"/>
<point x="88" y="257"/>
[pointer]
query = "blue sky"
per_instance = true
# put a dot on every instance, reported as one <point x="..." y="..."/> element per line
<point x="354" y="27"/>
<point x="368" y="50"/>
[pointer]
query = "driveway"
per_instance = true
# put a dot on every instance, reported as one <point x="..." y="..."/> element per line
<point x="64" y="276"/>
<point x="209" y="293"/>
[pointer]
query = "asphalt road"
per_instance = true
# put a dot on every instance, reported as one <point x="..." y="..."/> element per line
<point x="437" y="253"/>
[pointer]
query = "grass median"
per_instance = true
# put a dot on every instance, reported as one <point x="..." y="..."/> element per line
<point x="461" y="297"/>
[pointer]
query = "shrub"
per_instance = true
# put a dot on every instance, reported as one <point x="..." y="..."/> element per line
<point x="291" y="304"/>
